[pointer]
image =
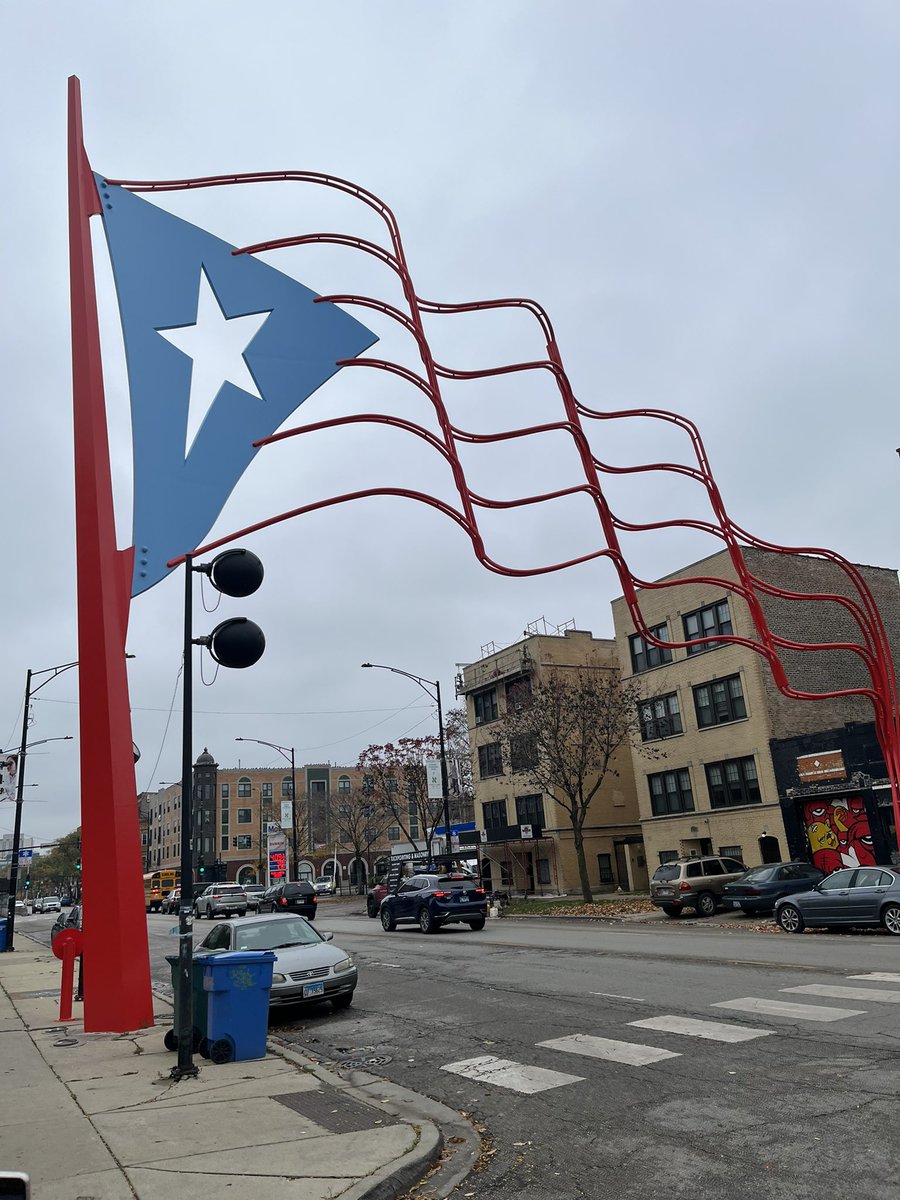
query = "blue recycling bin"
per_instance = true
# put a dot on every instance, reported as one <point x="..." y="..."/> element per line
<point x="2" y="934"/>
<point x="237" y="985"/>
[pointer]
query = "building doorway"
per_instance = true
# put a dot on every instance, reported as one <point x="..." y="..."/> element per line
<point x="769" y="849"/>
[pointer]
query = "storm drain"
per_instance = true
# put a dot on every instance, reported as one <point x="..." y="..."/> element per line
<point x="359" y="1064"/>
<point x="336" y="1113"/>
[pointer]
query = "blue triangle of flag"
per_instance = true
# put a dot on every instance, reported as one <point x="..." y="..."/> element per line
<point x="181" y="482"/>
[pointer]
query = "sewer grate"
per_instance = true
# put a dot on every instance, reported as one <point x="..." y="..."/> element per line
<point x="336" y="1113"/>
<point x="376" y="1060"/>
<point x="34" y="995"/>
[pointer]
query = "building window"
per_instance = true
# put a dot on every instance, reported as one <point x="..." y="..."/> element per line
<point x="368" y="785"/>
<point x="495" y="814"/>
<point x="244" y="816"/>
<point x="660" y="718"/>
<point x="518" y="694"/>
<point x="733" y="782"/>
<point x="243" y="789"/>
<point x="670" y="792"/>
<point x="530" y="810"/>
<point x="645" y="656"/>
<point x="393" y="833"/>
<point x="490" y="760"/>
<point x="720" y="701"/>
<point x="266" y="791"/>
<point x="223" y="791"/>
<point x="604" y="862"/>
<point x="523" y="752"/>
<point x="732" y="852"/>
<point x="344" y="783"/>
<point x="223" y="844"/>
<point x="243" y="841"/>
<point x="667" y="856"/>
<point x="543" y="870"/>
<point x="286" y="789"/>
<point x="712" y="621"/>
<point x="391" y="784"/>
<point x="485" y="704"/>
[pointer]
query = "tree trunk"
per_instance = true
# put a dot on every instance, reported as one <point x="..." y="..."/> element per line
<point x="582" y="866"/>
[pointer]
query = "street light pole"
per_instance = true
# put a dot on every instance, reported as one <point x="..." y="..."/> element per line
<point x="20" y="788"/>
<point x="425" y="684"/>
<point x="286" y="752"/>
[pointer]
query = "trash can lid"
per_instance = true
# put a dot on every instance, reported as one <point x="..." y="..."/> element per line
<point x="234" y="958"/>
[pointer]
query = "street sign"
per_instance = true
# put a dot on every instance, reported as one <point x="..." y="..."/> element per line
<point x="26" y="854"/>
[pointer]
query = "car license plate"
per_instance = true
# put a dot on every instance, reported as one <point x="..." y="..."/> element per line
<point x="733" y="903"/>
<point x="313" y="989"/>
<point x="665" y="892"/>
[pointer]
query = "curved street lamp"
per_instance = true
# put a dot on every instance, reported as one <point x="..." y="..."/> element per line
<point x="286" y="752"/>
<point x="426" y="685"/>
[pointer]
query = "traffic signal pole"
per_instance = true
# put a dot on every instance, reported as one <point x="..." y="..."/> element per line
<point x="184" y="1032"/>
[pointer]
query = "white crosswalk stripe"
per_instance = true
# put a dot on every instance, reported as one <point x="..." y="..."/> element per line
<point x="631" y="1053"/>
<point x="837" y="992"/>
<point x="516" y="1077"/>
<point x="878" y="977"/>
<point x="714" y="1031"/>
<point x="785" y="1008"/>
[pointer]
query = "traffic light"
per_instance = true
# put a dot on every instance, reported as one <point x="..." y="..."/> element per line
<point x="27" y="883"/>
<point x="201" y="867"/>
<point x="78" y="865"/>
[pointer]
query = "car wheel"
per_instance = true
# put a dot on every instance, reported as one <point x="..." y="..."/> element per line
<point x="890" y="918"/>
<point x="706" y="904"/>
<point x="477" y="924"/>
<point x="671" y="911"/>
<point x="371" y="909"/>
<point x="387" y="920"/>
<point x="427" y="923"/>
<point x="196" y="913"/>
<point x="342" y="1001"/>
<point x="791" y="919"/>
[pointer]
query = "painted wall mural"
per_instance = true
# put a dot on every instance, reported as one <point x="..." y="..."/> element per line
<point x="839" y="833"/>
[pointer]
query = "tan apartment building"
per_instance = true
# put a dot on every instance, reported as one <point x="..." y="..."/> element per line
<point x="233" y="809"/>
<point x="739" y="771"/>
<point x="523" y="836"/>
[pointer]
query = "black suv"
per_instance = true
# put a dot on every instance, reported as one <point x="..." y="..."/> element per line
<point x="290" y="898"/>
<point x="431" y="901"/>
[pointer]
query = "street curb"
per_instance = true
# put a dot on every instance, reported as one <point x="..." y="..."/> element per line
<point x="441" y="1129"/>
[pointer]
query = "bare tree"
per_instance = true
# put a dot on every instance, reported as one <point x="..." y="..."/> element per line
<point x="396" y="778"/>
<point x="565" y="732"/>
<point x="359" y="821"/>
<point x="459" y="765"/>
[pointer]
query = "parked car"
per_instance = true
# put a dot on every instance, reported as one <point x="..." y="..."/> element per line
<point x="324" y="885"/>
<point x="66" y="901"/>
<point x="21" y="908"/>
<point x="307" y="969"/>
<point x="695" y="882"/>
<point x="220" y="899"/>
<point x="374" y="897"/>
<point x="290" y="898"/>
<point x="170" y="902"/>
<point x="760" y="887"/>
<point x="255" y="892"/>
<point x="862" y="896"/>
<point x="45" y="904"/>
<point x="435" y="900"/>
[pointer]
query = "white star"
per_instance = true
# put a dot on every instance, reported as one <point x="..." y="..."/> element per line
<point x="216" y="344"/>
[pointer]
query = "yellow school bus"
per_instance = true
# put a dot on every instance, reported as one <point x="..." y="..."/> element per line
<point x="157" y="885"/>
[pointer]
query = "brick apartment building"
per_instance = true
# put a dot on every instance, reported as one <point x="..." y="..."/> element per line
<point x="524" y="837"/>
<point x="747" y="771"/>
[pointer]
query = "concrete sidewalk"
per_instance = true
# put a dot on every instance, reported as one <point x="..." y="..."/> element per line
<point x="96" y="1116"/>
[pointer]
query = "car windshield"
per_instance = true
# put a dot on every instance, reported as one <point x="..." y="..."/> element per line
<point x="455" y="882"/>
<point x="662" y="874"/>
<point x="758" y="875"/>
<point x="296" y="889"/>
<point x="274" y="935"/>
<point x="51" y="899"/>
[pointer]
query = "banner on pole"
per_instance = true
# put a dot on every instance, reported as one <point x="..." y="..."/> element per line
<point x="287" y="813"/>
<point x="9" y="776"/>
<point x="435" y="782"/>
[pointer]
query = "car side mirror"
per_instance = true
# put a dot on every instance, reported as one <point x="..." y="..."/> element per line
<point x="327" y="937"/>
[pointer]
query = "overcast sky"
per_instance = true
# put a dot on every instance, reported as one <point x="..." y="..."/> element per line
<point x="705" y="197"/>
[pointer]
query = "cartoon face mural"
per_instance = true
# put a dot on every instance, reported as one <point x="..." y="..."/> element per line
<point x="839" y="833"/>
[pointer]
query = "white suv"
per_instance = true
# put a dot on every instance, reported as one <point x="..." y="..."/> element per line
<point x="221" y="900"/>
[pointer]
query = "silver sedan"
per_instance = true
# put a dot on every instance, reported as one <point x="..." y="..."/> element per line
<point x="308" y="968"/>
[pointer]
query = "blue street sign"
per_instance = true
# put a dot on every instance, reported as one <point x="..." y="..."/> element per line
<point x="26" y="854"/>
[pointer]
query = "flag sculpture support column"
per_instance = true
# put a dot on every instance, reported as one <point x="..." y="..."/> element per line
<point x="117" y="995"/>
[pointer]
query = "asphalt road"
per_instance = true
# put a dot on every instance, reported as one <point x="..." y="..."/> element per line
<point x="529" y="1027"/>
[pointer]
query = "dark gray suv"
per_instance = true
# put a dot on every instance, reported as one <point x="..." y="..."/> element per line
<point x="695" y="882"/>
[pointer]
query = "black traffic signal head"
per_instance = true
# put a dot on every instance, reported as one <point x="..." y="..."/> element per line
<point x="236" y="642"/>
<point x="236" y="572"/>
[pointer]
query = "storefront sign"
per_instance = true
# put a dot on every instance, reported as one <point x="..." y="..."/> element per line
<point x="827" y="765"/>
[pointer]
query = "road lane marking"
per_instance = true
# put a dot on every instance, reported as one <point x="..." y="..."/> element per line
<point x="882" y="995"/>
<point x="616" y="996"/>
<point x="715" y="1031"/>
<point x="878" y="977"/>
<point x="785" y="1008"/>
<point x="631" y="1053"/>
<point x="516" y="1077"/>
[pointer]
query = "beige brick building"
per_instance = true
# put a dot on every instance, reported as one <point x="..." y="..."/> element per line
<point x="508" y="804"/>
<point x="722" y="726"/>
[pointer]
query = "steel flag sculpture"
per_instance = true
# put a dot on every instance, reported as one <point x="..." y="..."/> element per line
<point x="569" y="417"/>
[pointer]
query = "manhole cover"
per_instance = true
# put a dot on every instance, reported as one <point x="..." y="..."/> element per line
<point x="334" y="1112"/>
<point x="376" y="1060"/>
